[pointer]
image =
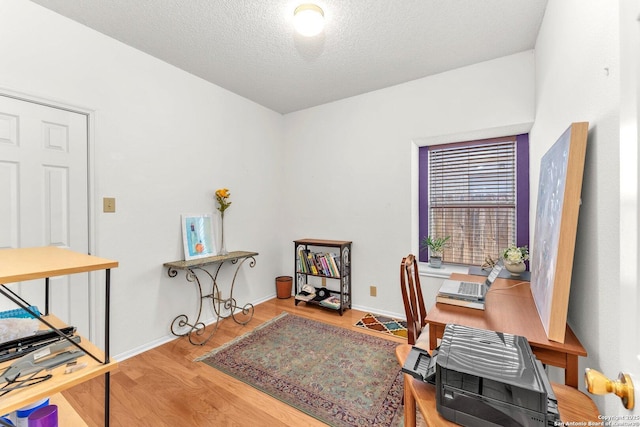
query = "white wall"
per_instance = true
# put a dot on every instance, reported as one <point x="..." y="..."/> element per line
<point x="164" y="142"/>
<point x="348" y="164"/>
<point x="578" y="79"/>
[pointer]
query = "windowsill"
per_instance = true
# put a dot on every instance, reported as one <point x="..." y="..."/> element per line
<point x="443" y="272"/>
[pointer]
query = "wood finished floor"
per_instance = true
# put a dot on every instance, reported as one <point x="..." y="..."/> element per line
<point x="165" y="387"/>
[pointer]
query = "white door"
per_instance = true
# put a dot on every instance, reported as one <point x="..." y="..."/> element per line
<point x="43" y="197"/>
<point x="629" y="298"/>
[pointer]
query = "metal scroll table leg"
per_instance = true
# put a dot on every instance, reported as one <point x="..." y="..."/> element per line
<point x="229" y="304"/>
<point x="220" y="305"/>
<point x="181" y="321"/>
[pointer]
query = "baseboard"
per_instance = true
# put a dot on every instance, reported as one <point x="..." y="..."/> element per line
<point x="381" y="312"/>
<point x="170" y="337"/>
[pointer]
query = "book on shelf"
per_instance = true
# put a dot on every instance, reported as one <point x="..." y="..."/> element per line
<point x="332" y="302"/>
<point x="307" y="293"/>
<point x="318" y="263"/>
<point x="478" y="304"/>
<point x="334" y="262"/>
<point x="325" y="266"/>
<point x="303" y="267"/>
<point x="311" y="262"/>
<point x="305" y="296"/>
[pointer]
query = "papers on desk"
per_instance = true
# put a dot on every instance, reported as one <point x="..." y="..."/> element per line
<point x="445" y="299"/>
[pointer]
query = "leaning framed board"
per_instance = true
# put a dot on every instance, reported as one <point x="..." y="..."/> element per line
<point x="560" y="186"/>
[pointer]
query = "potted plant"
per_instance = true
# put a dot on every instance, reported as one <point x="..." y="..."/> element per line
<point x="514" y="258"/>
<point x="436" y="245"/>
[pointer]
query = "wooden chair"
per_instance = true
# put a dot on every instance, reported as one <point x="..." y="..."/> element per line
<point x="414" y="307"/>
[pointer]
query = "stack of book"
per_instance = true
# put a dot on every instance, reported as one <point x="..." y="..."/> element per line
<point x="307" y="293"/>
<point x="318" y="263"/>
<point x="310" y="293"/>
<point x="331" y="302"/>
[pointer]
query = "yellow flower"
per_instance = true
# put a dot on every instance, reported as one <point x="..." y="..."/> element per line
<point x="222" y="194"/>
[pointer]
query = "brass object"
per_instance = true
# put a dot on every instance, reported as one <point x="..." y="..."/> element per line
<point x="597" y="383"/>
<point x="109" y="204"/>
<point x="488" y="264"/>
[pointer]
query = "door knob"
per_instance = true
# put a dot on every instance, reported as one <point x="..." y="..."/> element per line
<point x="597" y="383"/>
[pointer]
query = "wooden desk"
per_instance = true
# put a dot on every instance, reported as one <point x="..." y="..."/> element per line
<point x="17" y="265"/>
<point x="574" y="406"/>
<point x="511" y="310"/>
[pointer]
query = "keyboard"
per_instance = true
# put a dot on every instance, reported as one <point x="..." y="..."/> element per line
<point x="468" y="288"/>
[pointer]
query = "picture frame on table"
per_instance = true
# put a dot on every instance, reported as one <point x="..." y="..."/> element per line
<point x="197" y="236"/>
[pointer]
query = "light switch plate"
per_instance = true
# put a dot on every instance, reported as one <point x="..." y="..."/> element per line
<point x="109" y="204"/>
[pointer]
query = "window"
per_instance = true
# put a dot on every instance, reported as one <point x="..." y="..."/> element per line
<point x="477" y="192"/>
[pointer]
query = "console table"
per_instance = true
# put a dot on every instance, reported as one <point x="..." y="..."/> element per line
<point x="192" y="268"/>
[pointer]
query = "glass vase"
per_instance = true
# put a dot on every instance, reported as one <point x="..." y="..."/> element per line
<point x="223" y="249"/>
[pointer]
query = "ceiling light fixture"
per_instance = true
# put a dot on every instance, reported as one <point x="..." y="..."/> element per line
<point x="308" y="19"/>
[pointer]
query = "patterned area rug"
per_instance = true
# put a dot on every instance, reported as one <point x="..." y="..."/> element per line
<point x="387" y="325"/>
<point x="341" y="377"/>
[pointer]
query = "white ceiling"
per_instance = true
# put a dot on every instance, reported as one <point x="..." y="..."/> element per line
<point x="249" y="46"/>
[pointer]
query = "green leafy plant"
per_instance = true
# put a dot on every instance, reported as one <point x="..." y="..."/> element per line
<point x="436" y="244"/>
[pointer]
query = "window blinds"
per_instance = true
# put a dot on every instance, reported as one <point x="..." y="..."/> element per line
<point x="472" y="198"/>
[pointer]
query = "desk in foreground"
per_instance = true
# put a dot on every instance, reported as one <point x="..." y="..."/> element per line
<point x="574" y="406"/>
<point x="511" y="310"/>
<point x="25" y="264"/>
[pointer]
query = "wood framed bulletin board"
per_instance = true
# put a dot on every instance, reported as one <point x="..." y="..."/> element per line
<point x="560" y="186"/>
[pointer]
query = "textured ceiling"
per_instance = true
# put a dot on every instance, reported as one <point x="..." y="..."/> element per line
<point x="249" y="46"/>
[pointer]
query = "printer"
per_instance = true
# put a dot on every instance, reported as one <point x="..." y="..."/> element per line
<point x="486" y="378"/>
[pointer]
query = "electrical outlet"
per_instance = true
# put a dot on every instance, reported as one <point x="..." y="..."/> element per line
<point x="109" y="204"/>
<point x="373" y="291"/>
